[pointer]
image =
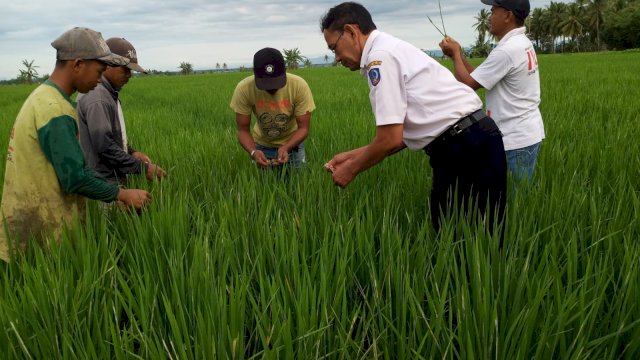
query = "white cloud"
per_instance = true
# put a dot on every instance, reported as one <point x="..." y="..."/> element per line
<point x="209" y="32"/>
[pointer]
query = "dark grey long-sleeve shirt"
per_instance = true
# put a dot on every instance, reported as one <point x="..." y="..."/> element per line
<point x="101" y="135"/>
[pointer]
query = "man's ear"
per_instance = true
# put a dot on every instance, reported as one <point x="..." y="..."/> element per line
<point x="77" y="64"/>
<point x="352" y="29"/>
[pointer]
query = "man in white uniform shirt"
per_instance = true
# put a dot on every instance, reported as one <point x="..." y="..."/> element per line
<point x="510" y="75"/>
<point x="417" y="103"/>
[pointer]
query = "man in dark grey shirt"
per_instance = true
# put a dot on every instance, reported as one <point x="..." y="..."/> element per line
<point x="103" y="133"/>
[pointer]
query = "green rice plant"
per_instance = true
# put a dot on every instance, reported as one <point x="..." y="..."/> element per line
<point x="233" y="262"/>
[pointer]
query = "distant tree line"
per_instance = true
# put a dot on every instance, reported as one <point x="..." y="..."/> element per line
<point x="584" y="25"/>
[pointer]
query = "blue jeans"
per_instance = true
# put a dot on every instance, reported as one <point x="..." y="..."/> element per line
<point x="297" y="156"/>
<point x="521" y="162"/>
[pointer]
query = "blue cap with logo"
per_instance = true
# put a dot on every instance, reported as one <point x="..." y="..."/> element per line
<point x="269" y="69"/>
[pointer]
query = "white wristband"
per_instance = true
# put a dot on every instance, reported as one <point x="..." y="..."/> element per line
<point x="252" y="152"/>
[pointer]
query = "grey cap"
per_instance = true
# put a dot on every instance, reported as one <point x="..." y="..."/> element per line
<point x="86" y="44"/>
<point x="122" y="47"/>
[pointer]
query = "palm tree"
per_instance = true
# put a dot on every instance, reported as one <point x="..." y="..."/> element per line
<point x="326" y="58"/>
<point x="536" y="27"/>
<point x="29" y="73"/>
<point x="292" y="58"/>
<point x="186" y="68"/>
<point x="595" y="14"/>
<point x="224" y="66"/>
<point x="555" y="12"/>
<point x="307" y="62"/>
<point x="572" y="26"/>
<point x="482" y="25"/>
<point x="217" y="65"/>
<point x="480" y="49"/>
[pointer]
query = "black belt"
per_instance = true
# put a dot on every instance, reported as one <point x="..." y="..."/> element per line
<point x="455" y="129"/>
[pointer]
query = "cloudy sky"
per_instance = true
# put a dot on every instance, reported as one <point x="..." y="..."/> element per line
<point x="203" y="33"/>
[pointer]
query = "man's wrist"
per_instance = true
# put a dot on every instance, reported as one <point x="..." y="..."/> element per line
<point x="252" y="153"/>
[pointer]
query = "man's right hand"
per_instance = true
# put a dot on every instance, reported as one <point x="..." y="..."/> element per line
<point x="134" y="198"/>
<point x="339" y="159"/>
<point x="260" y="159"/>
<point x="155" y="172"/>
<point x="450" y="46"/>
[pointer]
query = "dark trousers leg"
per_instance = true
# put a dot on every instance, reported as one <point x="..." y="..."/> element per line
<point x="470" y="169"/>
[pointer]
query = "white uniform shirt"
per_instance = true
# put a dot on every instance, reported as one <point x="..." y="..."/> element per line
<point x="510" y="75"/>
<point x="408" y="87"/>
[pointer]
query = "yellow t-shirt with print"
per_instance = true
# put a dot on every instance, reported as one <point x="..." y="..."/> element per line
<point x="275" y="114"/>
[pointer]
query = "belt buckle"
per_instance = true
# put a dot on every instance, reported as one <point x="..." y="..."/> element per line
<point x="455" y="129"/>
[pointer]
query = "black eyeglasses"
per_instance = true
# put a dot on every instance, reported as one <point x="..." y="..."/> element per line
<point x="335" y="44"/>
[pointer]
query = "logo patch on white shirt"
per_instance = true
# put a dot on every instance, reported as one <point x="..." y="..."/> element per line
<point x="374" y="76"/>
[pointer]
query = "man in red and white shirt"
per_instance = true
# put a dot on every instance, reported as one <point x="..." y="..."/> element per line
<point x="510" y="75"/>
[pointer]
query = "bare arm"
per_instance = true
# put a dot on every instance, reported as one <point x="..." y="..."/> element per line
<point x="462" y="69"/>
<point x="243" y="122"/>
<point x="388" y="141"/>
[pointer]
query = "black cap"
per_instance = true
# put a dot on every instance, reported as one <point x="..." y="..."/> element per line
<point x="519" y="8"/>
<point x="269" y="69"/>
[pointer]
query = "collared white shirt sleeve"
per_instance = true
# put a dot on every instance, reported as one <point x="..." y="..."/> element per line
<point x="493" y="69"/>
<point x="387" y="91"/>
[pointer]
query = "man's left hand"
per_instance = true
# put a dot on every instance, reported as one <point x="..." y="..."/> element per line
<point x="142" y="157"/>
<point x="343" y="174"/>
<point x="155" y="172"/>
<point x="283" y="157"/>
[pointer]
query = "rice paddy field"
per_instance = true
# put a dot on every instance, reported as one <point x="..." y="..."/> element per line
<point x="230" y="262"/>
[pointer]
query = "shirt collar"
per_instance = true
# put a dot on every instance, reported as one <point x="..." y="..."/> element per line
<point x="107" y="85"/>
<point x="52" y="84"/>
<point x="367" y="49"/>
<point x="515" y="32"/>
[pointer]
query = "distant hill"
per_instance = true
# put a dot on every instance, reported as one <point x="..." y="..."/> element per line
<point x="319" y="60"/>
<point x="434" y="53"/>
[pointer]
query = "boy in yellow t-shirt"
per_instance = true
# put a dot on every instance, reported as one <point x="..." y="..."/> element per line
<point x="282" y="104"/>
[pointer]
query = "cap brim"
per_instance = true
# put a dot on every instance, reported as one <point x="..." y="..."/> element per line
<point x="114" y="60"/>
<point x="490" y="2"/>
<point x="135" y="67"/>
<point x="271" y="83"/>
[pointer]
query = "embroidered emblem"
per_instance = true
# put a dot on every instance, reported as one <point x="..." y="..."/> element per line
<point x="269" y="69"/>
<point x="374" y="76"/>
<point x="373" y="63"/>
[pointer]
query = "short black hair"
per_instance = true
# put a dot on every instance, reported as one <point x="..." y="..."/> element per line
<point x="61" y="63"/>
<point x="519" y="22"/>
<point x="347" y="13"/>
